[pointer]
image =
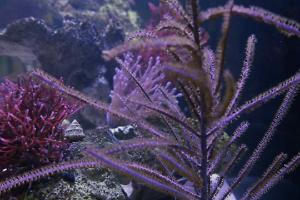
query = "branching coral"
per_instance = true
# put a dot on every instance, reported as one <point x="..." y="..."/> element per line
<point x="30" y="117"/>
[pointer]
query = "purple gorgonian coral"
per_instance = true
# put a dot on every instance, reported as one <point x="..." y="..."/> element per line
<point x="184" y="148"/>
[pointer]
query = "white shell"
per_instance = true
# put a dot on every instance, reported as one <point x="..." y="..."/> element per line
<point x="74" y="132"/>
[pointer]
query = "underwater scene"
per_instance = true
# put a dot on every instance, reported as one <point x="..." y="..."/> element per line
<point x="149" y="100"/>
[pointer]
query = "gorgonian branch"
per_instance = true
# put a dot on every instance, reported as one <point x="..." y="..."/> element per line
<point x="287" y="26"/>
<point x="220" y="52"/>
<point x="148" y="176"/>
<point x="250" y="50"/>
<point x="281" y="112"/>
<point x="46" y="171"/>
<point x="257" y="101"/>
<point x="287" y="168"/>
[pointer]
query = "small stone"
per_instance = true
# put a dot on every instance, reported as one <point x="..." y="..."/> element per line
<point x="123" y="132"/>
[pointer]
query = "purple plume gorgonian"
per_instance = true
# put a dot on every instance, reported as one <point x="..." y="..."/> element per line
<point x="188" y="152"/>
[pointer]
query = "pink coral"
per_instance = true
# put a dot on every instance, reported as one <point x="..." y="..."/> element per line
<point x="149" y="76"/>
<point x="30" y="117"/>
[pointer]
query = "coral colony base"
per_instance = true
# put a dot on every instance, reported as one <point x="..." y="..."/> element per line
<point x="184" y="143"/>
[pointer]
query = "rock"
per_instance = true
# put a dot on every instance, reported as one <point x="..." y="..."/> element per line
<point x="66" y="39"/>
<point x="123" y="132"/>
<point x="81" y="184"/>
<point x="90" y="184"/>
<point x="128" y="189"/>
<point x="66" y="52"/>
<point x="72" y="51"/>
<point x="97" y="138"/>
<point x="11" y="10"/>
<point x="99" y="12"/>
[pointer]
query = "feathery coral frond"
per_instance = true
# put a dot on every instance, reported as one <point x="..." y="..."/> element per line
<point x="220" y="52"/>
<point x="39" y="173"/>
<point x="180" y="167"/>
<point x="158" y="43"/>
<point x="257" y="101"/>
<point x="266" y="139"/>
<point x="250" y="49"/>
<point x="287" y="168"/>
<point x="287" y="26"/>
<point x="175" y="7"/>
<point x="268" y="174"/>
<point x="236" y="135"/>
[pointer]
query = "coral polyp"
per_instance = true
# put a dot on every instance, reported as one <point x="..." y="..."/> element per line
<point x="30" y="117"/>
